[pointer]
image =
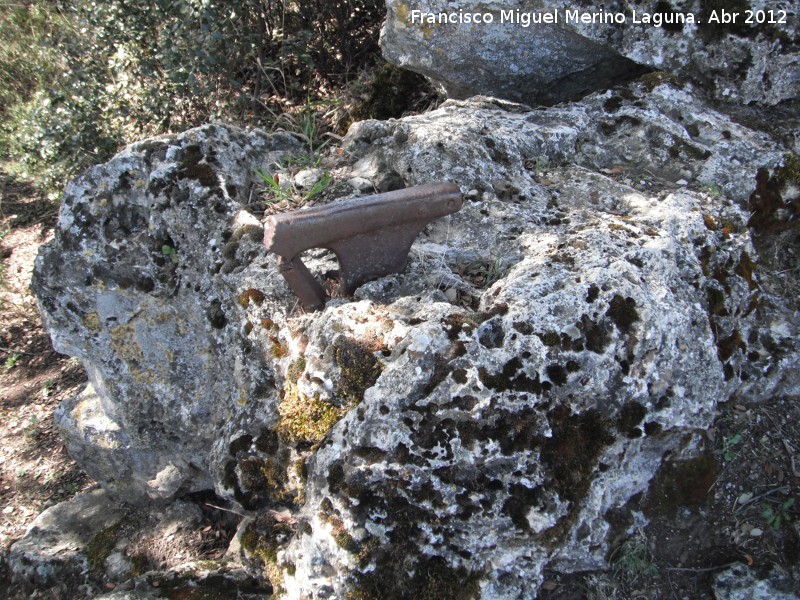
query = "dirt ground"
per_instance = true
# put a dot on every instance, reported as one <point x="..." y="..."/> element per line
<point x="733" y="504"/>
<point x="35" y="470"/>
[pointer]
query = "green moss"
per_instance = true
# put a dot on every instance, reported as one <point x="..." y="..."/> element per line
<point x="716" y="302"/>
<point x="252" y="231"/>
<point x="262" y="539"/>
<point x="512" y="376"/>
<point x="655" y="78"/>
<point x="304" y="419"/>
<point x="295" y="370"/>
<point x="191" y="167"/>
<point x="345" y="541"/>
<point x="630" y="416"/>
<point x="264" y="476"/>
<point x="551" y="338"/>
<point x="432" y="579"/>
<point x="359" y="368"/>
<point x="678" y="484"/>
<point x="279" y="350"/>
<point x="572" y="451"/>
<point x="102" y="545"/>
<point x="623" y="312"/>
<point x="595" y="335"/>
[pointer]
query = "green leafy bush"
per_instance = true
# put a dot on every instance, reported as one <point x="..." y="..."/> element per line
<point x="105" y="73"/>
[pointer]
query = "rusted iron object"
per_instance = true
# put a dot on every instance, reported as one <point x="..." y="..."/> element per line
<point x="371" y="236"/>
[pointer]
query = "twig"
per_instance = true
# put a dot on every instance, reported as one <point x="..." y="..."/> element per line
<point x="235" y="512"/>
<point x="702" y="569"/>
<point x="783" y="489"/>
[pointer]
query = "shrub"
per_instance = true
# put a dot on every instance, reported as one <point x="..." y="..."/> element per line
<point x="108" y="72"/>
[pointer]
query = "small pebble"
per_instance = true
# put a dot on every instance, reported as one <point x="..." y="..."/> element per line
<point x="361" y="184"/>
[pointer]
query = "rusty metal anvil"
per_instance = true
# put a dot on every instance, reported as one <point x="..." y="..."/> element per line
<point x="370" y="236"/>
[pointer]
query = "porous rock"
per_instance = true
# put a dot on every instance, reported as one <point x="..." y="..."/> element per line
<point x="92" y="541"/>
<point x="143" y="284"/>
<point x="550" y="62"/>
<point x="740" y="583"/>
<point x="464" y="424"/>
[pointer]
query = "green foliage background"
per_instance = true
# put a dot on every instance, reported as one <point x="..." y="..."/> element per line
<point x="78" y="79"/>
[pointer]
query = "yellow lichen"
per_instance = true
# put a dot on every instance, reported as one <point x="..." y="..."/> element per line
<point x="92" y="321"/>
<point x="123" y="341"/>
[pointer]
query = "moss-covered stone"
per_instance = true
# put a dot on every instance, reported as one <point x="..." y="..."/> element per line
<point x="262" y="539"/>
<point x="102" y="545"/>
<point x="681" y="483"/>
<point x="250" y="296"/>
<point x="358" y="365"/>
<point x="572" y="451"/>
<point x="306" y="419"/>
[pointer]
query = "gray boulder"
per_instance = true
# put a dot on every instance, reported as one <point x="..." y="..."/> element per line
<point x="740" y="583"/>
<point x="593" y="45"/>
<point x="93" y="541"/>
<point x="144" y="284"/>
<point x="471" y="421"/>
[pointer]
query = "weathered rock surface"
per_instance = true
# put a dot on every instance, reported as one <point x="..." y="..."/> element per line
<point x="739" y="583"/>
<point x="54" y="550"/>
<point x="549" y="62"/>
<point x="141" y="285"/>
<point x="80" y="547"/>
<point x="469" y="422"/>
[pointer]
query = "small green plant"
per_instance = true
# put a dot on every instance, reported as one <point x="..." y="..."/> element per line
<point x="47" y="387"/>
<point x="728" y="448"/>
<point x="634" y="560"/>
<point x="318" y="187"/>
<point x="541" y="163"/>
<point x="774" y="516"/>
<point x="12" y="361"/>
<point x="31" y="428"/>
<point x="170" y="252"/>
<point x="273" y="186"/>
<point x="712" y="189"/>
<point x="278" y="193"/>
<point x="484" y="273"/>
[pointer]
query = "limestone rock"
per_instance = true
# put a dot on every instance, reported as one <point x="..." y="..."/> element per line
<point x="204" y="579"/>
<point x="57" y="549"/>
<point x="471" y="421"/>
<point x="545" y="64"/>
<point x="548" y="62"/>
<point x="94" y="541"/>
<point x="498" y="438"/>
<point x="155" y="254"/>
<point x="740" y="583"/>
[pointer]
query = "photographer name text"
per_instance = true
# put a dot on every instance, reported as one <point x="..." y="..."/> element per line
<point x="575" y="17"/>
